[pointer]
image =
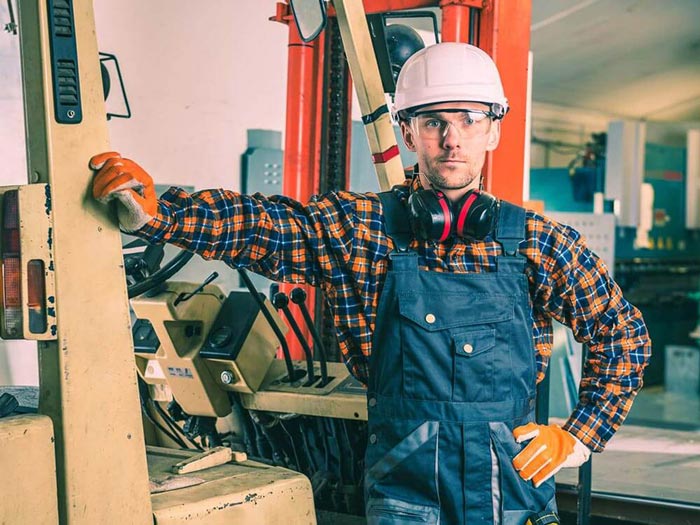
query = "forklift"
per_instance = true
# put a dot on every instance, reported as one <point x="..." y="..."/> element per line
<point x="128" y="356"/>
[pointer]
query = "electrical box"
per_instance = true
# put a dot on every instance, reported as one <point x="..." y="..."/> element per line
<point x="682" y="370"/>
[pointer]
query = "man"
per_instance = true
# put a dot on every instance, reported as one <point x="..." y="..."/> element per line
<point x="448" y="323"/>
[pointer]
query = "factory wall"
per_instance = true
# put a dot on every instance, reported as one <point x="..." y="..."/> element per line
<point x="197" y="77"/>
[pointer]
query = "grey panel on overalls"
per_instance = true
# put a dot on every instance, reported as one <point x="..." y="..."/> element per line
<point x="452" y="372"/>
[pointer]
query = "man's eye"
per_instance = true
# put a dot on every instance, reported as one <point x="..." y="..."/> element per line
<point x="433" y="123"/>
<point x="474" y="117"/>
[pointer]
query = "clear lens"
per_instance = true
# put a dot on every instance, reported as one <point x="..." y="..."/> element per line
<point x="468" y="123"/>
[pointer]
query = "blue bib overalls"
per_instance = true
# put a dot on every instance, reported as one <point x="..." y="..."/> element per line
<point x="452" y="372"/>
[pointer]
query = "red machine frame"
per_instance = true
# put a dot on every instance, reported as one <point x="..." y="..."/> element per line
<point x="503" y="32"/>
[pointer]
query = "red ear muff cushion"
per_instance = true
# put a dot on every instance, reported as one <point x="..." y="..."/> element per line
<point x="476" y="214"/>
<point x="464" y="212"/>
<point x="430" y="215"/>
<point x="447" y="213"/>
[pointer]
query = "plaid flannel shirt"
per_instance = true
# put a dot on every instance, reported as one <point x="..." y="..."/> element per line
<point x="338" y="242"/>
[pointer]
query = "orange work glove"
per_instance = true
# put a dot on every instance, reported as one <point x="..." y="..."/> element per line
<point x="126" y="182"/>
<point x="551" y="448"/>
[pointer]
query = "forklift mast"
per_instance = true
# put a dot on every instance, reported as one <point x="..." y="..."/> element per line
<point x="319" y="98"/>
<point x="86" y="371"/>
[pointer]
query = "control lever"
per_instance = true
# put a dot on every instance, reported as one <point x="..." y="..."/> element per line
<point x="292" y="374"/>
<point x="281" y="302"/>
<point x="298" y="297"/>
<point x="189" y="295"/>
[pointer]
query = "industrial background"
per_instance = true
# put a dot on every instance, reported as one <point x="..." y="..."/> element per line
<point x="611" y="146"/>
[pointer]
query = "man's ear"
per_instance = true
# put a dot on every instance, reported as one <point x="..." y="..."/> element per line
<point x="494" y="135"/>
<point x="408" y="137"/>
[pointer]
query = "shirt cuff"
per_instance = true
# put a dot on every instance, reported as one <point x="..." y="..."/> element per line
<point x="158" y="229"/>
<point x="589" y="427"/>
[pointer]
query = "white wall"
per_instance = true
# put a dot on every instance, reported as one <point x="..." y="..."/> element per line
<point x="13" y="166"/>
<point x="197" y="75"/>
<point x="18" y="359"/>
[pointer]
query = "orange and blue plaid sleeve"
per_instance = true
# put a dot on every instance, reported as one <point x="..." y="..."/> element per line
<point x="573" y="286"/>
<point x="335" y="241"/>
<point x="275" y="236"/>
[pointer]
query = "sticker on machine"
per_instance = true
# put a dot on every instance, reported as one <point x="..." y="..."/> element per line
<point x="176" y="371"/>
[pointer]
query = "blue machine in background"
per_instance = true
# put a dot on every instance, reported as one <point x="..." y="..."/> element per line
<point x="562" y="190"/>
<point x="659" y="279"/>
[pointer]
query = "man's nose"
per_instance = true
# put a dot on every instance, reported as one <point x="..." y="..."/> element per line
<point x="451" y="137"/>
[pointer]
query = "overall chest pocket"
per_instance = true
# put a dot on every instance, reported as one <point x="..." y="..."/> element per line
<point x="451" y="344"/>
<point x="474" y="368"/>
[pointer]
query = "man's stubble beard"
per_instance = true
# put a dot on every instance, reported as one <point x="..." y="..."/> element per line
<point x="447" y="180"/>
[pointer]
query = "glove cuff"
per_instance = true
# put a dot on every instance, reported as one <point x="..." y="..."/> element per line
<point x="580" y="454"/>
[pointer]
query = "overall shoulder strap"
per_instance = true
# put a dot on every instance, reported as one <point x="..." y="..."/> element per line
<point x="396" y="217"/>
<point x="510" y="232"/>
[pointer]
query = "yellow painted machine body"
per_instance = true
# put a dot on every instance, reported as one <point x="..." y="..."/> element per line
<point x="28" y="488"/>
<point x="82" y="460"/>
<point x="239" y="349"/>
<point x="241" y="493"/>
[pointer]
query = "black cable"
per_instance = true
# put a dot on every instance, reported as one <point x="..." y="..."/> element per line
<point x="144" y="397"/>
<point x="278" y="453"/>
<point x="173" y="437"/>
<point x="241" y="416"/>
<point x="313" y="467"/>
<point x="334" y="447"/>
<point x="162" y="275"/>
<point x="178" y="441"/>
<point x="292" y="445"/>
<point x="292" y="375"/>
<point x="326" y="448"/>
<point x="12" y="26"/>
<point x="174" y="426"/>
<point x="349" y="452"/>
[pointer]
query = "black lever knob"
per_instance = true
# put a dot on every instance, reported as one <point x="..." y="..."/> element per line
<point x="298" y="295"/>
<point x="280" y="300"/>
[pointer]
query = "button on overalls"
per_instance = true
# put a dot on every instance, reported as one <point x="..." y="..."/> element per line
<point x="452" y="373"/>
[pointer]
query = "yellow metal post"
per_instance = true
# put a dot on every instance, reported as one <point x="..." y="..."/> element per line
<point x="370" y="93"/>
<point x="87" y="376"/>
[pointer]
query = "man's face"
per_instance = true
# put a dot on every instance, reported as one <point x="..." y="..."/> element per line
<point x="451" y="146"/>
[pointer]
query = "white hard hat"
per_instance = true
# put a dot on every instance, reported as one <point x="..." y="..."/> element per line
<point x="449" y="72"/>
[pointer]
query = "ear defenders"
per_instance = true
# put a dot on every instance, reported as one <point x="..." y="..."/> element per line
<point x="433" y="216"/>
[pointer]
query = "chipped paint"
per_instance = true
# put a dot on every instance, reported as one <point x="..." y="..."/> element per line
<point x="47" y="201"/>
<point x="51" y="311"/>
<point x="52" y="299"/>
<point x="53" y="330"/>
<point x="49" y="241"/>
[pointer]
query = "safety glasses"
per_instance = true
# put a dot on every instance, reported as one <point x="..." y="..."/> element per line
<point x="469" y="123"/>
